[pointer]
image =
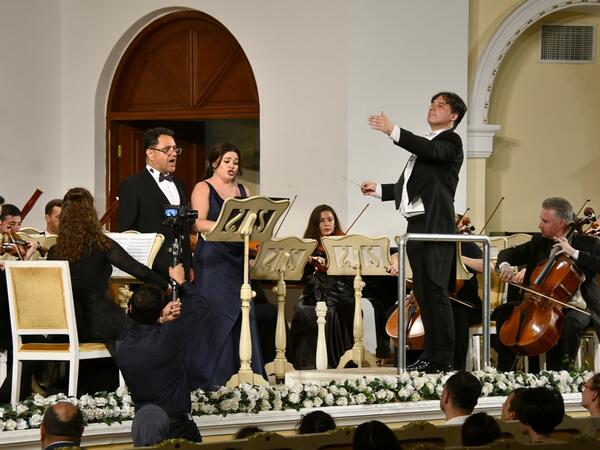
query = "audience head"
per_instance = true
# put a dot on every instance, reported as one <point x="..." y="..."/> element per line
<point x="323" y="221"/>
<point x="479" y="429"/>
<point x="246" y="432"/>
<point x="62" y="421"/>
<point x="460" y="395"/>
<point x="541" y="410"/>
<point x="10" y="218"/>
<point x="79" y="226"/>
<point x="590" y="395"/>
<point x="456" y="104"/>
<point x="374" y="435"/>
<point x="150" y="426"/>
<point x="52" y="215"/>
<point x="316" y="422"/>
<point x="146" y="304"/>
<point x="220" y="151"/>
<point x="510" y="405"/>
<point x="1" y="201"/>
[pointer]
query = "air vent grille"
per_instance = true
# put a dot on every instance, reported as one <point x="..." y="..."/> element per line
<point x="568" y="43"/>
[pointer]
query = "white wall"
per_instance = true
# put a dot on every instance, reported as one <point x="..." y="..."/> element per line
<point x="401" y="54"/>
<point x="319" y="73"/>
<point x="30" y="103"/>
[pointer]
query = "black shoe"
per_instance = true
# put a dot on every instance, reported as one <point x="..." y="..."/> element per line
<point x="417" y="365"/>
<point x="432" y="367"/>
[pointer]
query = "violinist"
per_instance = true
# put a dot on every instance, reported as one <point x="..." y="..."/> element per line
<point x="10" y="225"/>
<point x="336" y="291"/>
<point x="584" y="251"/>
<point x="52" y="217"/>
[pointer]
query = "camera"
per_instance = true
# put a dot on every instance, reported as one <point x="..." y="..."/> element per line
<point x="178" y="215"/>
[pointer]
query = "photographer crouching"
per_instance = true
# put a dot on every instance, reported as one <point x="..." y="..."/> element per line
<point x="150" y="357"/>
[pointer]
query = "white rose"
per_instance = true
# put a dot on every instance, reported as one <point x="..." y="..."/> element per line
<point x="10" y="425"/>
<point x="343" y="391"/>
<point x="2" y="413"/>
<point x="2" y="425"/>
<point x="208" y="409"/>
<point x="403" y="393"/>
<point x="317" y="402"/>
<point x="323" y="392"/>
<point x="39" y="400"/>
<point x="502" y="386"/>
<point x="277" y="405"/>
<point x="307" y="404"/>
<point x="263" y="393"/>
<point x="362" y="385"/>
<point x="439" y="389"/>
<point x="101" y="401"/>
<point x="297" y="388"/>
<point x="404" y="377"/>
<point x="35" y="420"/>
<point x="329" y="400"/>
<point x="294" y="398"/>
<point x="21" y="409"/>
<point x="486" y="389"/>
<point x="415" y="397"/>
<point x="265" y="405"/>
<point x="334" y="389"/>
<point x="360" y="399"/>
<point x="342" y="401"/>
<point x="21" y="424"/>
<point x="419" y="382"/>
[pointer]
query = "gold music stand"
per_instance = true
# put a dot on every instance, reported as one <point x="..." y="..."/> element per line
<point x="251" y="218"/>
<point x="357" y="255"/>
<point x="281" y="259"/>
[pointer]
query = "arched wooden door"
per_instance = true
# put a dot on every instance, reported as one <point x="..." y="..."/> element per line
<point x="182" y="71"/>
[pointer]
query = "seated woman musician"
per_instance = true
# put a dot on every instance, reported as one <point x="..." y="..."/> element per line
<point x="336" y="291"/>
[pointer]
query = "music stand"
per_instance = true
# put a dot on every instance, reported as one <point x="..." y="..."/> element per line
<point x="281" y="259"/>
<point x="357" y="255"/>
<point x="241" y="220"/>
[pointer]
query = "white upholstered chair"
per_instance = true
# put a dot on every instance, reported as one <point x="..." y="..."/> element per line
<point x="41" y="303"/>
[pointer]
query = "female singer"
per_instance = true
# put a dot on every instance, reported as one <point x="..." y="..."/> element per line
<point x="91" y="255"/>
<point x="336" y="291"/>
<point x="219" y="268"/>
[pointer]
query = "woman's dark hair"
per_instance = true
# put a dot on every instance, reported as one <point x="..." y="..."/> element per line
<point x="246" y="432"/>
<point x="80" y="228"/>
<point x="479" y="429"/>
<point x="216" y="155"/>
<point x="374" y="435"/>
<point x="316" y="422"/>
<point x="312" y="229"/>
<point x="541" y="408"/>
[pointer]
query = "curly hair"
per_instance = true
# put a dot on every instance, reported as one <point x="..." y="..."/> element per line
<point x="80" y="228"/>
<point x="312" y="228"/>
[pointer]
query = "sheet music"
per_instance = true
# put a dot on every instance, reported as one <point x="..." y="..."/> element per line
<point x="138" y="245"/>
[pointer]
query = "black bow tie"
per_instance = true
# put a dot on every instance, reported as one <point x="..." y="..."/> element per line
<point x="167" y="177"/>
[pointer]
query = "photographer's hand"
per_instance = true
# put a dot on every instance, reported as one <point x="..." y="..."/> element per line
<point x="177" y="273"/>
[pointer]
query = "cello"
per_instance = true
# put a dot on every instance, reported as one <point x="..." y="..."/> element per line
<point x="535" y="326"/>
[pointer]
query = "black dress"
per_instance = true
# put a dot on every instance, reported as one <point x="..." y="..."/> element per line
<point x="338" y="293"/>
<point x="99" y="318"/>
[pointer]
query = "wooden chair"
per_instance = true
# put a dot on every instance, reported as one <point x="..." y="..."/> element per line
<point x="41" y="303"/>
<point x="415" y="434"/>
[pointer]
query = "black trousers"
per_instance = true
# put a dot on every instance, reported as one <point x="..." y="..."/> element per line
<point x="464" y="317"/>
<point x="184" y="427"/>
<point x="558" y="357"/>
<point x="432" y="296"/>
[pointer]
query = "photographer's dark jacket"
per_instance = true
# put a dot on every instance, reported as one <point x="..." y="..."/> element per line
<point x="141" y="208"/>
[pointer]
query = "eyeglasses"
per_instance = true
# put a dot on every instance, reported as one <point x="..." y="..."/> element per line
<point x="178" y="150"/>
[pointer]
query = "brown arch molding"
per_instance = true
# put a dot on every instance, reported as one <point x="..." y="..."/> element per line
<point x="181" y="69"/>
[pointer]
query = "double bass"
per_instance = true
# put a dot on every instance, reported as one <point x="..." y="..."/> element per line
<point x="535" y="326"/>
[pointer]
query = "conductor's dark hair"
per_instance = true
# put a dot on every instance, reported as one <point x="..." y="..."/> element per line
<point x="479" y="429"/>
<point x="464" y="390"/>
<point x="316" y="422"/>
<point x="146" y="303"/>
<point x="151" y="136"/>
<point x="457" y="105"/>
<point x="541" y="408"/>
<point x="374" y="435"/>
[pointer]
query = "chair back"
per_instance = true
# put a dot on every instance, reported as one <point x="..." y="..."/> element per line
<point x="40" y="299"/>
<point x="517" y="239"/>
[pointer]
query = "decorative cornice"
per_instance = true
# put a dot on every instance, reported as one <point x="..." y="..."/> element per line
<point x="480" y="140"/>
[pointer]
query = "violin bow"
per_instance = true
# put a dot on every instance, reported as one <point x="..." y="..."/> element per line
<point x="491" y="215"/>
<point x="357" y="217"/>
<point x="583" y="206"/>
<point x="285" y="215"/>
<point x="460" y="217"/>
<point x="109" y="212"/>
<point x="525" y="288"/>
<point x="30" y="203"/>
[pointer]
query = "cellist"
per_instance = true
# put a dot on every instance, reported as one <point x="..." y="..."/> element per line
<point x="584" y="251"/>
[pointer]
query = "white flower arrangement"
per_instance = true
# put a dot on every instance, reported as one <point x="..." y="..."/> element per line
<point x="109" y="407"/>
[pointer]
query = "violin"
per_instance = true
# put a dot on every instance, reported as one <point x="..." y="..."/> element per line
<point x="15" y="246"/>
<point x="535" y="326"/>
<point x="594" y="229"/>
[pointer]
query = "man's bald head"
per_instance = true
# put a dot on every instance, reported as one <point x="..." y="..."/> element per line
<point x="63" y="421"/>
